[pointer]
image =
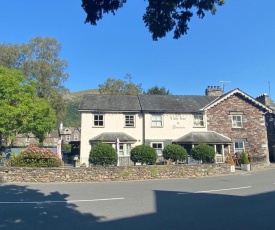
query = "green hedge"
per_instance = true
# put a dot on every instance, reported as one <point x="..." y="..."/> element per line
<point x="203" y="152"/>
<point x="143" y="154"/>
<point x="103" y="154"/>
<point x="174" y="153"/>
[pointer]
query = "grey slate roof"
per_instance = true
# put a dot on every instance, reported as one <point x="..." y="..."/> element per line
<point x="173" y="103"/>
<point x="208" y="137"/>
<point x="148" y="103"/>
<point x="112" y="136"/>
<point x="97" y="102"/>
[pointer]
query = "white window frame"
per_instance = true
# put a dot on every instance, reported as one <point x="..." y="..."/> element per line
<point x="128" y="149"/>
<point x="237" y="121"/>
<point x="156" y="120"/>
<point x="199" y="120"/>
<point x="238" y="148"/>
<point x="68" y="137"/>
<point x="158" y="149"/>
<point x="121" y="149"/>
<point x="124" y="149"/>
<point x="75" y="137"/>
<point x="129" y="120"/>
<point x="97" y="120"/>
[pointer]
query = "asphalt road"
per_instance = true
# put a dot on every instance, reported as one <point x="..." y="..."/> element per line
<point x="241" y="201"/>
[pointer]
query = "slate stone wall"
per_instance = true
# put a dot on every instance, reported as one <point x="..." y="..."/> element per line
<point x="101" y="174"/>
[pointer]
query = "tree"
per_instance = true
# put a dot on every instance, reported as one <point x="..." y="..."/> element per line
<point x="39" y="61"/>
<point x="41" y="119"/>
<point x="20" y="109"/>
<point x="161" y="16"/>
<point x="120" y="87"/>
<point x="158" y="91"/>
<point x="72" y="117"/>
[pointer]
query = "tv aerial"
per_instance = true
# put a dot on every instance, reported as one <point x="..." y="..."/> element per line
<point x="223" y="84"/>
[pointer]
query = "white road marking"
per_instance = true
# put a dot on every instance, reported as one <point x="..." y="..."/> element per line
<point x="217" y="190"/>
<point x="58" y="201"/>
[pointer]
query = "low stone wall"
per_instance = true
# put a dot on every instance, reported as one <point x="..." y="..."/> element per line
<point x="256" y="166"/>
<point x="101" y="174"/>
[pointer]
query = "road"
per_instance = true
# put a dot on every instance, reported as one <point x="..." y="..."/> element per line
<point x="240" y="201"/>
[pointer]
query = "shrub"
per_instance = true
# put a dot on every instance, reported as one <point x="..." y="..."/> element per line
<point x="103" y="154"/>
<point x="143" y="154"/>
<point x="66" y="147"/>
<point x="174" y="153"/>
<point x="203" y="152"/>
<point x="230" y="160"/>
<point x="244" y="158"/>
<point x="34" y="156"/>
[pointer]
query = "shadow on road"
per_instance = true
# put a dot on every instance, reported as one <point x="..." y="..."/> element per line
<point x="173" y="211"/>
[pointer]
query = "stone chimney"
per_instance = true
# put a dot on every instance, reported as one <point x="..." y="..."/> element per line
<point x="61" y="126"/>
<point x="213" y="91"/>
<point x="266" y="100"/>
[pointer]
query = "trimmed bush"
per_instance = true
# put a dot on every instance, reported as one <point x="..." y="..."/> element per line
<point x="244" y="158"/>
<point x="33" y="156"/>
<point x="203" y="152"/>
<point x="174" y="153"/>
<point x="143" y="154"/>
<point x="103" y="154"/>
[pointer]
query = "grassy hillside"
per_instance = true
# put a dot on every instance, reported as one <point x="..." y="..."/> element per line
<point x="72" y="100"/>
<point x="77" y="96"/>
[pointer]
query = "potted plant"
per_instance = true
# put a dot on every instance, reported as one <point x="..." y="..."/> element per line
<point x="83" y="165"/>
<point x="76" y="161"/>
<point x="245" y="164"/>
<point x="230" y="160"/>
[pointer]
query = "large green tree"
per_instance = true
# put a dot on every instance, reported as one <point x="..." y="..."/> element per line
<point x="122" y="87"/>
<point x="20" y="108"/>
<point x="39" y="60"/>
<point x="73" y="117"/>
<point x="155" y="90"/>
<point x="161" y="16"/>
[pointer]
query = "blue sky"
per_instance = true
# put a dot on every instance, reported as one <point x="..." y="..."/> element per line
<point x="236" y="45"/>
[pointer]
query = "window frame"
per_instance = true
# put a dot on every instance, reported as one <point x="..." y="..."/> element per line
<point x="237" y="124"/>
<point x="76" y="137"/>
<point x="157" y="148"/>
<point x="239" y="149"/>
<point x="200" y="119"/>
<point x="98" y="120"/>
<point x="127" y="120"/>
<point x="153" y="120"/>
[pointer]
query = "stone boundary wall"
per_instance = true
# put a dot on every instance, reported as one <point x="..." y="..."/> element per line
<point x="256" y="166"/>
<point x="101" y="174"/>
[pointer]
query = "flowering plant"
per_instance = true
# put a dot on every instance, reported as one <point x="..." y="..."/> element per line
<point x="34" y="156"/>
